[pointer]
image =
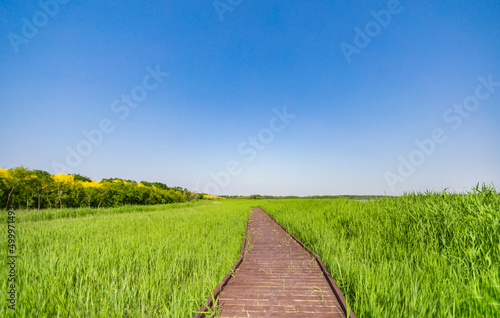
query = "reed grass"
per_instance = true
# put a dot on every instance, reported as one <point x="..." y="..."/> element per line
<point x="419" y="255"/>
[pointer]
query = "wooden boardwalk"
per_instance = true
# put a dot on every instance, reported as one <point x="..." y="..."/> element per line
<point x="277" y="278"/>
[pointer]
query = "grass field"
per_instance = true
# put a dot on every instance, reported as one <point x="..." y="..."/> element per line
<point x="160" y="261"/>
<point x="433" y="255"/>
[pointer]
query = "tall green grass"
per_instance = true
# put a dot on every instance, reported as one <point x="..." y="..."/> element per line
<point x="24" y="215"/>
<point x="158" y="262"/>
<point x="420" y="255"/>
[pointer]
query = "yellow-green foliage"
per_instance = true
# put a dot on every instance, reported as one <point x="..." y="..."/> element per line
<point x="38" y="189"/>
<point x="211" y="197"/>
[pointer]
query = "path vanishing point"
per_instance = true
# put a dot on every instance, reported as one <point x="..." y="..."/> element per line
<point x="276" y="276"/>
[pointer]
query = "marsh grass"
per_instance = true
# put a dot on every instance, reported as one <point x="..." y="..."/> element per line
<point x="24" y="215"/>
<point x="419" y="255"/>
<point x="123" y="262"/>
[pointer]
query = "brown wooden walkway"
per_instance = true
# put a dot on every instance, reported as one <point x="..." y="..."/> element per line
<point x="277" y="278"/>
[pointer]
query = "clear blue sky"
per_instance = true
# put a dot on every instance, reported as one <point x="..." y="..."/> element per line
<point x="359" y="100"/>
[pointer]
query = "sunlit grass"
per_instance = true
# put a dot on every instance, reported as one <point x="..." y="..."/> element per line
<point x="420" y="255"/>
<point x="158" y="262"/>
<point x="24" y="215"/>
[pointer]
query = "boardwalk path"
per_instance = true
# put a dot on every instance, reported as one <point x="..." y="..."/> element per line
<point x="278" y="278"/>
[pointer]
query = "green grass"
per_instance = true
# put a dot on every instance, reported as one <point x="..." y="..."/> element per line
<point x="420" y="255"/>
<point x="161" y="261"/>
<point x="52" y="214"/>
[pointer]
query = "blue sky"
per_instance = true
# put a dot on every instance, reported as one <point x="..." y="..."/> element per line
<point x="356" y="114"/>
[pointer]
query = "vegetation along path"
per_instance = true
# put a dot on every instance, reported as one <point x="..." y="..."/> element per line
<point x="278" y="277"/>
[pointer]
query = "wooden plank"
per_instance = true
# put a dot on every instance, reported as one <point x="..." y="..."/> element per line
<point x="276" y="276"/>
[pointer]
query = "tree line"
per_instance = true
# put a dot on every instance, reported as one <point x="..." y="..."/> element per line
<point x="37" y="189"/>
